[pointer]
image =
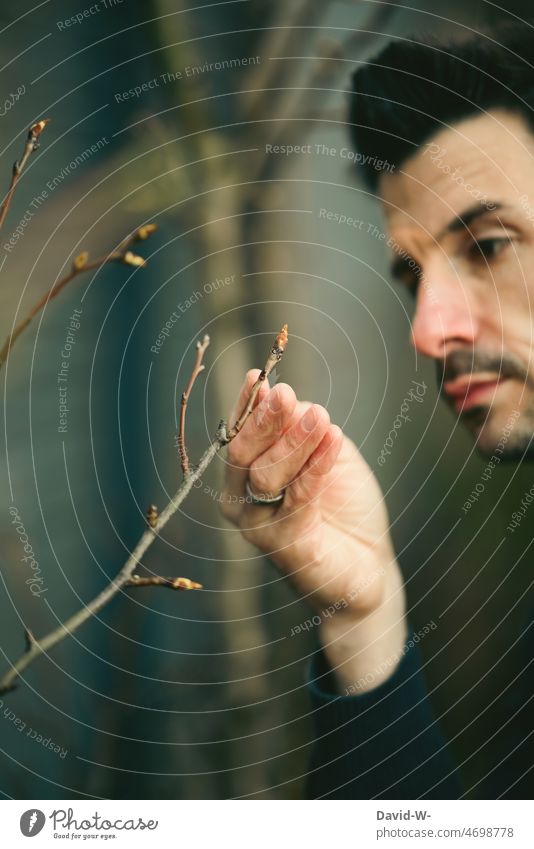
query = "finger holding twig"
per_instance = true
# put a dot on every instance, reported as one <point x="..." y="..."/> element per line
<point x="275" y="355"/>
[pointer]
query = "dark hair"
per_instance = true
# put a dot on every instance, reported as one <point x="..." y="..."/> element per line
<point x="411" y="90"/>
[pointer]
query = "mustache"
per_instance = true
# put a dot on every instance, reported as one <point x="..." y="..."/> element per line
<point x="472" y="361"/>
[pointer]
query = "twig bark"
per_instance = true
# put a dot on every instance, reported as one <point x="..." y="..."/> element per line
<point x="32" y="143"/>
<point x="126" y="578"/>
<point x="80" y="265"/>
<point x="201" y="350"/>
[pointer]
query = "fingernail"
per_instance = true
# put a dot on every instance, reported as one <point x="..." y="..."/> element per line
<point x="308" y="420"/>
<point x="274" y="401"/>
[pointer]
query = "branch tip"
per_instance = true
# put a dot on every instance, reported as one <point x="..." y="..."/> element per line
<point x="197" y="368"/>
<point x="36" y="129"/>
<point x="282" y="339"/>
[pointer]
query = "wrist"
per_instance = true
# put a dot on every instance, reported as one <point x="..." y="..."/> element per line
<point x="363" y="651"/>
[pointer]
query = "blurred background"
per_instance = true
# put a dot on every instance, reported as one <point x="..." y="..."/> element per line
<point x="203" y="695"/>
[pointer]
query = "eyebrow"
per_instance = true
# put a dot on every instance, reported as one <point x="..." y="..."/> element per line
<point x="466" y="218"/>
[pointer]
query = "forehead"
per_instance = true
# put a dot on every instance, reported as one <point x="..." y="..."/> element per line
<point x="484" y="158"/>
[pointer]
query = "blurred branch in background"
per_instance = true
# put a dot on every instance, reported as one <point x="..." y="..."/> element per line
<point x="81" y="264"/>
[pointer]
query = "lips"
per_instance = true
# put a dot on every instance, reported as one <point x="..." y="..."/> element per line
<point x="469" y="391"/>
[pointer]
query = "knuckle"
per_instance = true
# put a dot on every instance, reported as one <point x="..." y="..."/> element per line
<point x="259" y="478"/>
<point x="235" y="453"/>
<point x="295" y="497"/>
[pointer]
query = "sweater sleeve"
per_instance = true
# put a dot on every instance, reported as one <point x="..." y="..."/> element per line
<point x="382" y="744"/>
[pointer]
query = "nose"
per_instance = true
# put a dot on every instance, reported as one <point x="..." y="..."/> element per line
<point x="445" y="316"/>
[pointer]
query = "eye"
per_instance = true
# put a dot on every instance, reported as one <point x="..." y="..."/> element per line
<point x="407" y="273"/>
<point x="488" y="249"/>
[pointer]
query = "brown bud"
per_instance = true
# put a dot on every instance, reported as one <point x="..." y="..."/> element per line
<point x="80" y="261"/>
<point x="152" y="515"/>
<point x="36" y="129"/>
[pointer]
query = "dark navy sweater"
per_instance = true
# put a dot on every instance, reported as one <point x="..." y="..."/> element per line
<point x="381" y="744"/>
<point x="386" y="743"/>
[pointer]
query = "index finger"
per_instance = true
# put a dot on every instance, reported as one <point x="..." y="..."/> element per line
<point x="244" y="393"/>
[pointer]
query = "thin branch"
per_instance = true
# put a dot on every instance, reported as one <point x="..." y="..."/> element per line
<point x="156" y="522"/>
<point x="157" y="581"/>
<point x="32" y="143"/>
<point x="184" y="459"/>
<point x="80" y="265"/>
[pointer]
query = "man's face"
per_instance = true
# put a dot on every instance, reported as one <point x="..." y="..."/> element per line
<point x="460" y="212"/>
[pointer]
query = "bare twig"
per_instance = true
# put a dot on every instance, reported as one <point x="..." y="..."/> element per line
<point x="126" y="578"/>
<point x="32" y="143"/>
<point x="184" y="459"/>
<point x="157" y="581"/>
<point x="80" y="265"/>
